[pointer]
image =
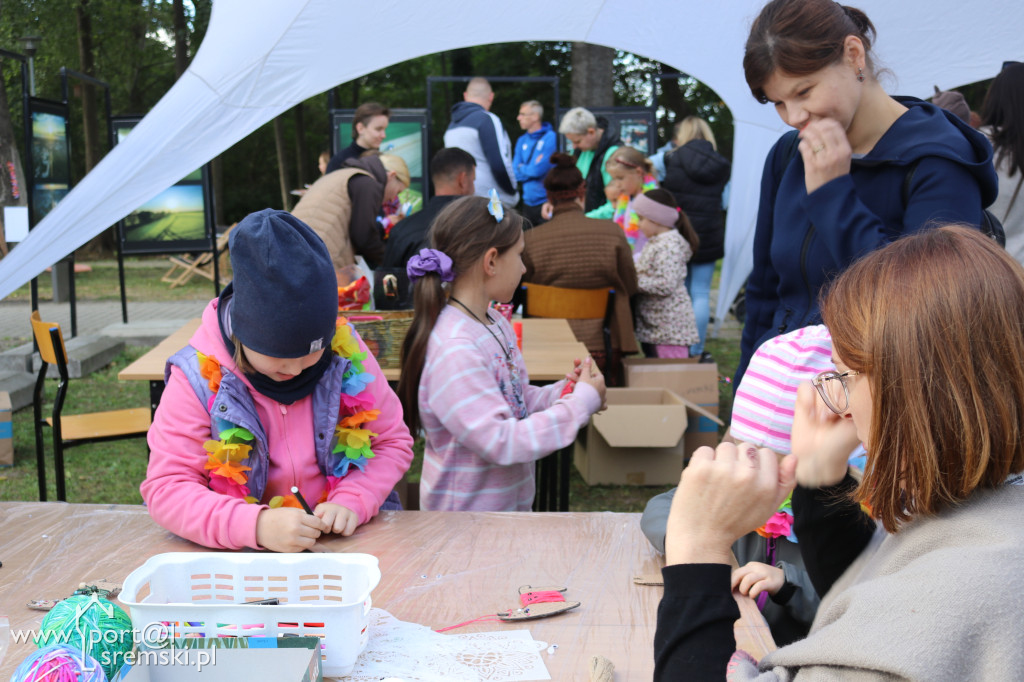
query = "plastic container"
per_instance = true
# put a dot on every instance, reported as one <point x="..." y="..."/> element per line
<point x="202" y="594"/>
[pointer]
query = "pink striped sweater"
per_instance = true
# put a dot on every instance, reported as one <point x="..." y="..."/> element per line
<point x="485" y="424"/>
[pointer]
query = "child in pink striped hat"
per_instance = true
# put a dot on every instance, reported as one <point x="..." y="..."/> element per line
<point x="771" y="569"/>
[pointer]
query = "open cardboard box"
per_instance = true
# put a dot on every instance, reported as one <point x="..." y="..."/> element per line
<point x="638" y="440"/>
<point x="291" y="659"/>
<point x="695" y="381"/>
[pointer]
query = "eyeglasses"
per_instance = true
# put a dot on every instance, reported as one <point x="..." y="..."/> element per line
<point x="833" y="389"/>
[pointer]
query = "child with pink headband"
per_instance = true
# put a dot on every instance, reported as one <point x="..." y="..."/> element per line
<point x="665" y="323"/>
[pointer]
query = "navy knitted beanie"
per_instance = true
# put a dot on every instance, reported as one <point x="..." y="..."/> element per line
<point x="285" y="301"/>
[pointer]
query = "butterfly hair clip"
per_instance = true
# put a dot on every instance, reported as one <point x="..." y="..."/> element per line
<point x="494" y="206"/>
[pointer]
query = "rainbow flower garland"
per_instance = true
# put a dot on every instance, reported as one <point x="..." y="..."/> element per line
<point x="627" y="219"/>
<point x="781" y="522"/>
<point x="227" y="457"/>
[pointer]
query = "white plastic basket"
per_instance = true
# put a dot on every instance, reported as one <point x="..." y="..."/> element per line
<point x="202" y="594"/>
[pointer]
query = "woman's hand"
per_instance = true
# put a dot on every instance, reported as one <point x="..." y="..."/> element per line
<point x="826" y="152"/>
<point x="337" y="518"/>
<point x="724" y="494"/>
<point x="822" y="440"/>
<point x="287" y="529"/>
<point x="753" y="578"/>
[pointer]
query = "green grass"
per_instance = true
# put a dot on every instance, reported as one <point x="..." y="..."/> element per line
<point x="142" y="282"/>
<point x="97" y="472"/>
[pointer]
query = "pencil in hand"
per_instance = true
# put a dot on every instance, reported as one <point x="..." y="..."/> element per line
<point x="302" y="500"/>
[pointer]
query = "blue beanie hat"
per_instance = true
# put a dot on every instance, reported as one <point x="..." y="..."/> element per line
<point x="285" y="300"/>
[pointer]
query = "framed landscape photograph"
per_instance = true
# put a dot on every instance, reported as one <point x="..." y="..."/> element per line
<point x="178" y="220"/>
<point x="51" y="156"/>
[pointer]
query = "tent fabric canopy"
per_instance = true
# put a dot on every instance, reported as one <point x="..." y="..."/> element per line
<point x="254" y="65"/>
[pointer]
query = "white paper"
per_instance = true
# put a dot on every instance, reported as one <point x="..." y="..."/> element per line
<point x="15" y="223"/>
<point x="414" y="653"/>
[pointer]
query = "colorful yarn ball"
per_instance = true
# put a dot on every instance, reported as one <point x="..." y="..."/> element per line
<point x="59" y="663"/>
<point x="90" y="623"/>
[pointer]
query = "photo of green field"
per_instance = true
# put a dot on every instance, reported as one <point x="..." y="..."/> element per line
<point x="174" y="215"/>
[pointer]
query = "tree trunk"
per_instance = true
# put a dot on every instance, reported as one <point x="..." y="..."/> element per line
<point x="88" y="67"/>
<point x="672" y="95"/>
<point x="103" y="242"/>
<point x="672" y="99"/>
<point x="300" y="146"/>
<point x="282" y="162"/>
<point x="137" y="29"/>
<point x="592" y="76"/>
<point x="180" y="39"/>
<point x="12" y="175"/>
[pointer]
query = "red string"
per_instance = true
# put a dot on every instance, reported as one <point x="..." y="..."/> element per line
<point x="527" y="598"/>
<point x="490" y="617"/>
<point x="541" y="597"/>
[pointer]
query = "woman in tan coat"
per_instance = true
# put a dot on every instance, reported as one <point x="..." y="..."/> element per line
<point x="577" y="252"/>
<point x="342" y="206"/>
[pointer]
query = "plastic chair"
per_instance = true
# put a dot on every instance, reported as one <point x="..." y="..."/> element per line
<point x="540" y="300"/>
<point x="76" y="429"/>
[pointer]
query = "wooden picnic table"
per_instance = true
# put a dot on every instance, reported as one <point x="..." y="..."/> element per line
<point x="438" y="568"/>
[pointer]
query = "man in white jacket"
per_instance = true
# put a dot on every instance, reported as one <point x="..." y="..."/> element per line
<point x="479" y="132"/>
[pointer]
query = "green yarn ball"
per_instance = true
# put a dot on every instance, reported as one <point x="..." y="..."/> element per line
<point x="89" y="622"/>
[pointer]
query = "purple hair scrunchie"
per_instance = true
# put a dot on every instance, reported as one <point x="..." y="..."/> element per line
<point x="430" y="260"/>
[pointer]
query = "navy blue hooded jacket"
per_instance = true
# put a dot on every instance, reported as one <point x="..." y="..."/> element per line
<point x="479" y="132"/>
<point x="803" y="240"/>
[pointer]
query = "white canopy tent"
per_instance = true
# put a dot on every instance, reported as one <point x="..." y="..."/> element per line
<point x="255" y="64"/>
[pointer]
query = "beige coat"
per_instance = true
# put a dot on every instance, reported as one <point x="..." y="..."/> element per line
<point x="327" y="208"/>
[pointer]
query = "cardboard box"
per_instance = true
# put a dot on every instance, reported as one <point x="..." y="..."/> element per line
<point x="638" y="440"/>
<point x="6" y="431"/>
<point x="694" y="381"/>
<point x="291" y="659"/>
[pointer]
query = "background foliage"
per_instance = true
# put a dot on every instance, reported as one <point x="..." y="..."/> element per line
<point x="133" y="49"/>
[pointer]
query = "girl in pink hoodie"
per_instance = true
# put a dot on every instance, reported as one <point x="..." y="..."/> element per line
<point x="274" y="391"/>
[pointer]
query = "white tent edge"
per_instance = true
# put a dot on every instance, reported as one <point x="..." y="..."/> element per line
<point x="252" y="68"/>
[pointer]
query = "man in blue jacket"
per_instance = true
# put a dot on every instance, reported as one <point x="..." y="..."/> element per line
<point x="531" y="159"/>
<point x="478" y="131"/>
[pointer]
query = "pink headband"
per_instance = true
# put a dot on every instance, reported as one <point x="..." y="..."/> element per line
<point x="655" y="211"/>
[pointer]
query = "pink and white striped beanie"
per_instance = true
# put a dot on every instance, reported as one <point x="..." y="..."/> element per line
<point x="762" y="411"/>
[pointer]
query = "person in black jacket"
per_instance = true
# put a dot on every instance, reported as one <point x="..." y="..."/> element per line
<point x="696" y="174"/>
<point x="594" y="139"/>
<point x="453" y="172"/>
<point x="369" y="128"/>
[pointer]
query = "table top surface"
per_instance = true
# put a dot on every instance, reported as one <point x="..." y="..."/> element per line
<point x="438" y="568"/>
<point x="549" y="348"/>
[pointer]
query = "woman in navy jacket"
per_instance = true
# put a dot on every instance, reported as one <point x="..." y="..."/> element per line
<point x="862" y="168"/>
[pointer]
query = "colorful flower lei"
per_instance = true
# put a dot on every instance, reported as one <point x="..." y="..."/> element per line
<point x="226" y="457"/>
<point x="781" y="522"/>
<point x="627" y="218"/>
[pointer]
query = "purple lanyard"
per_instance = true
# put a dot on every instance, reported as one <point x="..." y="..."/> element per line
<point x="769" y="555"/>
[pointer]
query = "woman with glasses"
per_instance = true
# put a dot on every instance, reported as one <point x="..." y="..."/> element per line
<point x="860" y="169"/>
<point x="929" y="354"/>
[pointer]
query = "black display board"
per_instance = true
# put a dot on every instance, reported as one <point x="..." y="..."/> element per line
<point x="637" y="126"/>
<point x="178" y="220"/>
<point x="406" y="137"/>
<point x="51" y="156"/>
